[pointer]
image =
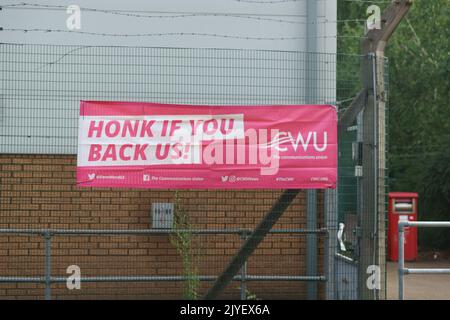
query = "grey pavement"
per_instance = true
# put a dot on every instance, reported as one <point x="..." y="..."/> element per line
<point x="419" y="286"/>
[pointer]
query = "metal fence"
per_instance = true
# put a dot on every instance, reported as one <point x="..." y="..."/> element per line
<point x="47" y="279"/>
<point x="402" y="271"/>
<point x="40" y="90"/>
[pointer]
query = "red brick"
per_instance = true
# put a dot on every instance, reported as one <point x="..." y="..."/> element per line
<point x="39" y="191"/>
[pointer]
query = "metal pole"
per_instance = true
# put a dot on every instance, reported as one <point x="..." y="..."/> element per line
<point x="244" y="273"/>
<point x="401" y="262"/>
<point x="372" y="243"/>
<point x="311" y="243"/>
<point x="368" y="191"/>
<point x="378" y="213"/>
<point x="330" y="241"/>
<point x="71" y="232"/>
<point x="427" y="271"/>
<point x="252" y="242"/>
<point x="430" y="224"/>
<point x="311" y="94"/>
<point x="243" y="281"/>
<point x="48" y="266"/>
<point x="248" y="278"/>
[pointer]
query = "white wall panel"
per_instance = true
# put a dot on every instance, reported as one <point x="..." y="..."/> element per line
<point x="41" y="86"/>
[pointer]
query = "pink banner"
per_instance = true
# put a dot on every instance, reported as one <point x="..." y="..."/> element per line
<point x="150" y="145"/>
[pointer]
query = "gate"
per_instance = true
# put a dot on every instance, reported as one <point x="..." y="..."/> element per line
<point x="363" y="190"/>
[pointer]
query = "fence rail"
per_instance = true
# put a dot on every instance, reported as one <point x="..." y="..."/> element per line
<point x="402" y="271"/>
<point x="243" y="277"/>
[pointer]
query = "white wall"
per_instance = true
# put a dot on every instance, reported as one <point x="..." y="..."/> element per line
<point x="41" y="86"/>
<point x="255" y="20"/>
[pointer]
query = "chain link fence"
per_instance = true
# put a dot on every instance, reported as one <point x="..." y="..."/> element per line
<point x="41" y="87"/>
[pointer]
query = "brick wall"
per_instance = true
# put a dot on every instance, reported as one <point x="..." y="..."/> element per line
<point x="38" y="191"/>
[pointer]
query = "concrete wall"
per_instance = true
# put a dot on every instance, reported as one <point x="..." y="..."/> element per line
<point x="227" y="24"/>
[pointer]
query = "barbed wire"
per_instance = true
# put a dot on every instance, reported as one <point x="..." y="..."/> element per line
<point x="368" y="1"/>
<point x="345" y="100"/>
<point x="413" y="155"/>
<point x="149" y="14"/>
<point x="429" y="146"/>
<point x="176" y="15"/>
<point x="137" y="13"/>
<point x="162" y="34"/>
<point x="268" y="2"/>
<point x="286" y="1"/>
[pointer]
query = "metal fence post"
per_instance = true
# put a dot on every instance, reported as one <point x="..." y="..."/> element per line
<point x="312" y="85"/>
<point x="48" y="264"/>
<point x="330" y="249"/>
<point x="311" y="242"/>
<point x="243" y="282"/>
<point x="244" y="272"/>
<point x="401" y="262"/>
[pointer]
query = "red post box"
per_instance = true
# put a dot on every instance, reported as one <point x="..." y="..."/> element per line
<point x="402" y="207"/>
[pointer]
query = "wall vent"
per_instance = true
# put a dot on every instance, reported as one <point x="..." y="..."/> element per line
<point x="162" y="215"/>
